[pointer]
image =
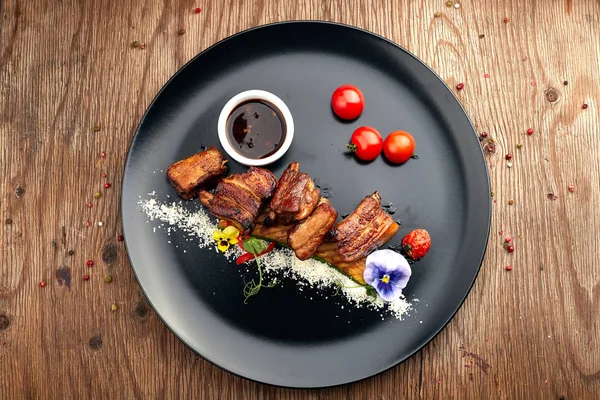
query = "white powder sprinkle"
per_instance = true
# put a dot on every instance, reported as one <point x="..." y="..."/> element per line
<point x="196" y="224"/>
<point x="277" y="263"/>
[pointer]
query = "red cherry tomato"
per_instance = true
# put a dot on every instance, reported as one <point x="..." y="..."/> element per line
<point x="416" y="243"/>
<point x="347" y="102"/>
<point x="399" y="146"/>
<point x="366" y="142"/>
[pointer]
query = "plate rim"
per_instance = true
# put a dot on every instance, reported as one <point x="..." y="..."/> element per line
<point x="362" y="31"/>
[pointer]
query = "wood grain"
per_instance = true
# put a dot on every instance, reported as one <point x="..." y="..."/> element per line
<point x="66" y="66"/>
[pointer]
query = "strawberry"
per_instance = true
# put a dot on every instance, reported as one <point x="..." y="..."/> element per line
<point x="416" y="243"/>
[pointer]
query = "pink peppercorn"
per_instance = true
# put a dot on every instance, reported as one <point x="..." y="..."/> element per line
<point x="530" y="131"/>
<point x="460" y="86"/>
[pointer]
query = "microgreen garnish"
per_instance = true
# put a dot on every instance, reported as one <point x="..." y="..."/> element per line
<point x="255" y="246"/>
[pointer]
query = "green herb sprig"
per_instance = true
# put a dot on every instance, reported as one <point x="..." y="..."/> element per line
<point x="255" y="246"/>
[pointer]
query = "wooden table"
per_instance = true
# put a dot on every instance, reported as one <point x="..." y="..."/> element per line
<point x="72" y="86"/>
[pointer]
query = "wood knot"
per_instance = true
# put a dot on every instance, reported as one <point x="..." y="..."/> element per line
<point x="20" y="192"/>
<point x="109" y="254"/>
<point x="140" y="310"/>
<point x="552" y="95"/>
<point x="63" y="276"/>
<point x="95" y="342"/>
<point x="4" y="322"/>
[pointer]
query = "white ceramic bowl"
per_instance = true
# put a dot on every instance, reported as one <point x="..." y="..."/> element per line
<point x="255" y="95"/>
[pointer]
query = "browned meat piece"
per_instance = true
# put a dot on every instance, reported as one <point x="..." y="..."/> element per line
<point x="190" y="174"/>
<point x="275" y="233"/>
<point x="367" y="228"/>
<point x="329" y="251"/>
<point x="238" y="198"/>
<point x="306" y="236"/>
<point x="295" y="197"/>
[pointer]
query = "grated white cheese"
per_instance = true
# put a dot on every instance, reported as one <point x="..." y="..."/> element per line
<point x="196" y="224"/>
<point x="277" y="263"/>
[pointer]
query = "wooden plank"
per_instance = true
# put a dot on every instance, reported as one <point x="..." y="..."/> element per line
<point x="68" y="66"/>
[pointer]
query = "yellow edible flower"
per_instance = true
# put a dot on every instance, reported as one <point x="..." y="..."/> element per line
<point x="226" y="237"/>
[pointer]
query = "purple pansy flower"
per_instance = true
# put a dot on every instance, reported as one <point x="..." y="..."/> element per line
<point x="388" y="272"/>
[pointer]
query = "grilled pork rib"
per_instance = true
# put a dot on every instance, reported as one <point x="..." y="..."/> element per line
<point x="238" y="198"/>
<point x="295" y="197"/>
<point x="306" y="236"/>
<point x="367" y="228"/>
<point x="190" y="174"/>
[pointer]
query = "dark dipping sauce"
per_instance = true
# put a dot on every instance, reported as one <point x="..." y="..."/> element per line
<point x="256" y="129"/>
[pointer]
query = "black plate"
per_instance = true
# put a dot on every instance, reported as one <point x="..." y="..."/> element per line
<point x="300" y="339"/>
